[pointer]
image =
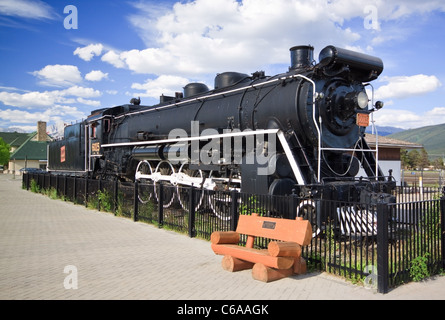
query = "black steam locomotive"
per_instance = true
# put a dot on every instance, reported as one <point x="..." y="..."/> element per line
<point x="301" y="131"/>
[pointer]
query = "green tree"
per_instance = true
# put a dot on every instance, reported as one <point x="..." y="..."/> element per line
<point x="410" y="160"/>
<point x="414" y="159"/>
<point x="438" y="163"/>
<point x="4" y="152"/>
<point x="404" y="158"/>
<point x="423" y="161"/>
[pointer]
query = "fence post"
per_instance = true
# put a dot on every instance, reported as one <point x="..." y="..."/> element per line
<point x="234" y="210"/>
<point x="74" y="190"/>
<point x="116" y="195"/>
<point x="192" y="213"/>
<point x="442" y="226"/>
<point x="293" y="205"/>
<point x="136" y="201"/>
<point x="160" y="205"/>
<point x="27" y="181"/>
<point x="57" y="184"/>
<point x="99" y="186"/>
<point x="86" y="190"/>
<point x="65" y="181"/>
<point x="382" y="247"/>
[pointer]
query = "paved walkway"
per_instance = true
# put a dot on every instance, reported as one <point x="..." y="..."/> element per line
<point x="45" y="245"/>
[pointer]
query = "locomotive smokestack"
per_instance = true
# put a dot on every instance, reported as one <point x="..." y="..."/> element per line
<point x="301" y="57"/>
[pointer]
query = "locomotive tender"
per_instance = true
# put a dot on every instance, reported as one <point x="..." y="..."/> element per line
<point x="301" y="131"/>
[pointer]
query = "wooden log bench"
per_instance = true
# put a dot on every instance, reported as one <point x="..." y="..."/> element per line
<point x="281" y="259"/>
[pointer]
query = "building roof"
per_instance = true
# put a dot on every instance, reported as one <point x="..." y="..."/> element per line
<point x="31" y="150"/>
<point x="385" y="142"/>
<point x="15" y="139"/>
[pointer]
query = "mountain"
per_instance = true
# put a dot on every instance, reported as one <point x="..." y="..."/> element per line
<point x="12" y="129"/>
<point x="431" y="137"/>
<point x="384" y="131"/>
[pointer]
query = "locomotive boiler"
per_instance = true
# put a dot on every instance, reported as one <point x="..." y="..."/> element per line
<point x="300" y="132"/>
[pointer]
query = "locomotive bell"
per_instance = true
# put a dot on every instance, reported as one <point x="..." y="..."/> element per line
<point x="379" y="105"/>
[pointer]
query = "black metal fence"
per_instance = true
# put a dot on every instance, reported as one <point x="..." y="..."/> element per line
<point x="380" y="246"/>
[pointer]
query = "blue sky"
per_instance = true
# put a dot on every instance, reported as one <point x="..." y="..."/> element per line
<point x="125" y="49"/>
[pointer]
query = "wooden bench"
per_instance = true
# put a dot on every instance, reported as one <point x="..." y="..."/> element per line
<point x="281" y="259"/>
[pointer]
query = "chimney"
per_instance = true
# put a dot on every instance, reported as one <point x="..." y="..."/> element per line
<point x="301" y="57"/>
<point x="41" y="131"/>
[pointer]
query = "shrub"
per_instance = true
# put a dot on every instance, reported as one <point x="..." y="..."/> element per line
<point x="34" y="186"/>
<point x="419" y="268"/>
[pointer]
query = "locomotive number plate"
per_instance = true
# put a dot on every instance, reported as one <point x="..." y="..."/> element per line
<point x="362" y="119"/>
<point x="269" y="225"/>
<point x="95" y="148"/>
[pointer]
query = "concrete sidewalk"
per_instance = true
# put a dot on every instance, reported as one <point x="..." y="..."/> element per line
<point x="45" y="245"/>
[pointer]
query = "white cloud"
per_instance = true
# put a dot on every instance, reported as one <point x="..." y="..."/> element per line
<point x="80" y="92"/>
<point x="88" y="52"/>
<point x="38" y="99"/>
<point x="59" y="75"/>
<point x="32" y="9"/>
<point x="54" y="113"/>
<point x="145" y="19"/>
<point x="114" y="59"/>
<point x="13" y="89"/>
<point x="407" y="119"/>
<point x="193" y="38"/>
<point x="166" y="85"/>
<point x="29" y="99"/>
<point x="396" y="9"/>
<point x="386" y="9"/>
<point x="152" y="61"/>
<point x="93" y="103"/>
<point x="406" y="86"/>
<point x="20" y="116"/>
<point x="96" y="75"/>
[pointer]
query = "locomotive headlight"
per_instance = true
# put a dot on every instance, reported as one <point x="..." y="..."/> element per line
<point x="362" y="100"/>
<point x="357" y="99"/>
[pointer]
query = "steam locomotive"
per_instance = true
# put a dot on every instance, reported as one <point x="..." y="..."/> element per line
<point x="300" y="132"/>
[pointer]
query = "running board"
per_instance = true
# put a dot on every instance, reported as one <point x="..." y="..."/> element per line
<point x="290" y="157"/>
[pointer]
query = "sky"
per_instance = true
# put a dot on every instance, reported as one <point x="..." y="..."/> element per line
<point x="60" y="60"/>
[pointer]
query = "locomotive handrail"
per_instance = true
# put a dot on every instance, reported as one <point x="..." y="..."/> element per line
<point x="253" y="86"/>
<point x="374" y="129"/>
<point x="204" y="137"/>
